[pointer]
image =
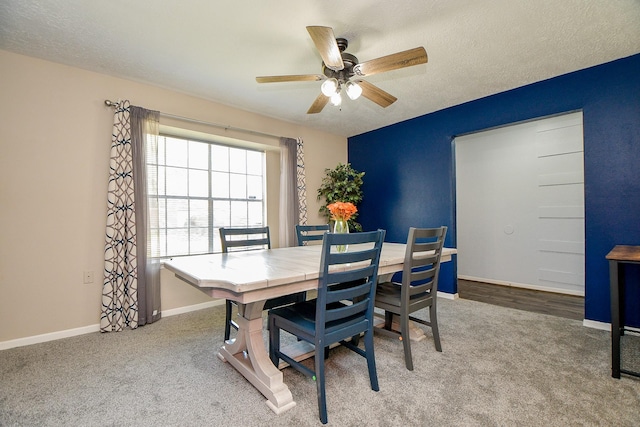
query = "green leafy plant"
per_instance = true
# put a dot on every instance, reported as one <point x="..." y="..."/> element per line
<point x="342" y="184"/>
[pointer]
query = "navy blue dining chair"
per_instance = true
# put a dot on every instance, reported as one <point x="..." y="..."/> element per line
<point x="418" y="289"/>
<point x="342" y="310"/>
<point x="244" y="239"/>
<point x="310" y="233"/>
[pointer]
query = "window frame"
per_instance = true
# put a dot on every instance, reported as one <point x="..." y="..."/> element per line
<point x="250" y="197"/>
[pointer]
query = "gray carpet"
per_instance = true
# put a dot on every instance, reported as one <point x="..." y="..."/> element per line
<point x="499" y="367"/>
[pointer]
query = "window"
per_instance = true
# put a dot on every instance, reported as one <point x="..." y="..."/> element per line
<point x="202" y="187"/>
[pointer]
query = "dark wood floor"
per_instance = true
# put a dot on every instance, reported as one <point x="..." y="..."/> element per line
<point x="569" y="306"/>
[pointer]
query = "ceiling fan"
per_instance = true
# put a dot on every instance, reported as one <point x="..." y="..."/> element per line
<point x="341" y="70"/>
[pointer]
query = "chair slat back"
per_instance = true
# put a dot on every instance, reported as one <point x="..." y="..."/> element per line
<point x="357" y="285"/>
<point x="309" y="233"/>
<point x="247" y="238"/>
<point x="422" y="261"/>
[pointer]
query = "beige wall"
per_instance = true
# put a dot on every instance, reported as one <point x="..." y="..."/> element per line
<point x="55" y="133"/>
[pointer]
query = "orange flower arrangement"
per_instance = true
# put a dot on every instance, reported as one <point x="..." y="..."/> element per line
<point x="342" y="211"/>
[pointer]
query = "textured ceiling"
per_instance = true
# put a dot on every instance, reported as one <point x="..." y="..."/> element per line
<point x="215" y="50"/>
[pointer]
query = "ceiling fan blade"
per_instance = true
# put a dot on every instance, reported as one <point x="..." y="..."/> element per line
<point x="375" y="94"/>
<point x="394" y="61"/>
<point x="291" y="78"/>
<point x="326" y="44"/>
<point x="318" y="104"/>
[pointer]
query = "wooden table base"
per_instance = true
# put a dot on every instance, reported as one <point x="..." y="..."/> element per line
<point x="247" y="353"/>
<point x="416" y="333"/>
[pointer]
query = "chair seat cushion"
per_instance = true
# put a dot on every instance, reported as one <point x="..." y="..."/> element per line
<point x="303" y="315"/>
<point x="390" y="293"/>
<point x="284" y="300"/>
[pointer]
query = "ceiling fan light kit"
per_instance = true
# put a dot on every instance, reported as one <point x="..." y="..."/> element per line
<point x="336" y="99"/>
<point x="329" y="87"/>
<point x="338" y="67"/>
<point x="353" y="90"/>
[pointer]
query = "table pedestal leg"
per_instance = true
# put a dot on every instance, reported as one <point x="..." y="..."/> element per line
<point x="248" y="354"/>
<point x="416" y="333"/>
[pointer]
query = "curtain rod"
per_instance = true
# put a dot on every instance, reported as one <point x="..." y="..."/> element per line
<point x="109" y="103"/>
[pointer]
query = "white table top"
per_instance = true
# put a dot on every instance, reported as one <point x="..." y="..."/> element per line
<point x="254" y="275"/>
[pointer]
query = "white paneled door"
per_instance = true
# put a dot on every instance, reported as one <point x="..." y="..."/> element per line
<point x="520" y="205"/>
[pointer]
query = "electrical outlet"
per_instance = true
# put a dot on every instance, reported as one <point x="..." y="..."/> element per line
<point x="88" y="277"/>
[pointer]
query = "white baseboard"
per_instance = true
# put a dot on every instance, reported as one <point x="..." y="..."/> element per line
<point x="190" y="308"/>
<point x="52" y="336"/>
<point x="68" y="333"/>
<point x="596" y="325"/>
<point x="446" y="295"/>
<point x="605" y="326"/>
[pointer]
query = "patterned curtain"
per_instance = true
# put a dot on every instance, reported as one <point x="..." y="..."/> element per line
<point x="301" y="183"/>
<point x="130" y="271"/>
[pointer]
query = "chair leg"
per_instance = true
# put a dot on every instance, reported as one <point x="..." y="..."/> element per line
<point x="355" y="340"/>
<point x="388" y="320"/>
<point x="320" y="384"/>
<point x="371" y="360"/>
<point x="227" y="322"/>
<point x="406" y="340"/>
<point x="434" y="327"/>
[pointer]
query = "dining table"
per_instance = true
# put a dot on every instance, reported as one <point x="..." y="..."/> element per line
<point x="252" y="277"/>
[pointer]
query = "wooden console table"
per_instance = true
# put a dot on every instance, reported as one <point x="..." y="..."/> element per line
<point x="619" y="256"/>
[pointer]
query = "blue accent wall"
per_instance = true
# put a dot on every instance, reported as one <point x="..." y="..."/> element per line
<point x="410" y="175"/>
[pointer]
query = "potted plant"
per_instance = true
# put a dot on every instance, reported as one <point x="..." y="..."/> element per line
<point x="342" y="184"/>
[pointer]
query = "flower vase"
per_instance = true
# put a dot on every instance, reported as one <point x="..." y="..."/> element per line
<point x="341" y="226"/>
